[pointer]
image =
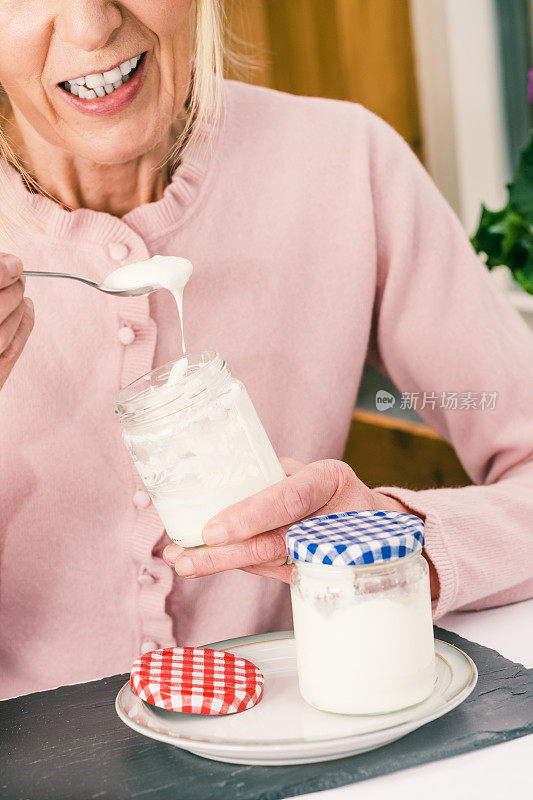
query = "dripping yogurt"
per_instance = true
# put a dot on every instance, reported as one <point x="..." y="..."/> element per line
<point x="190" y="426"/>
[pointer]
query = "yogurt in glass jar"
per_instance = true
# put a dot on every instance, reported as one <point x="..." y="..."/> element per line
<point x="197" y="442"/>
<point x="361" y="606"/>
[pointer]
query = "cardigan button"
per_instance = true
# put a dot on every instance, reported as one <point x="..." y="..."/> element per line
<point x="126" y="335"/>
<point x="149" y="645"/>
<point x="118" y="251"/>
<point x="145" y="577"/>
<point x="141" y="499"/>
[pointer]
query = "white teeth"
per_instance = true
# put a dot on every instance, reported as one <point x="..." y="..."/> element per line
<point x="98" y="84"/>
<point x="94" y="80"/>
<point x="113" y="75"/>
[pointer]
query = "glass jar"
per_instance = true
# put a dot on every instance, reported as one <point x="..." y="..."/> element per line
<point x="196" y="441"/>
<point x="363" y="631"/>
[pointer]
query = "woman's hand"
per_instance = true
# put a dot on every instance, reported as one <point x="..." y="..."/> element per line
<point x="250" y="535"/>
<point x="16" y="314"/>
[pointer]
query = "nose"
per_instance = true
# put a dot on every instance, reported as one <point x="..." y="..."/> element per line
<point x="87" y="24"/>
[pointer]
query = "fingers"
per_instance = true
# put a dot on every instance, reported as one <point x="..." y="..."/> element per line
<point x="265" y="549"/>
<point x="11" y="296"/>
<point x="9" y="326"/>
<point x="291" y="465"/>
<point x="23" y="331"/>
<point x="10" y="355"/>
<point x="282" y="504"/>
<point x="171" y="552"/>
<point x="268" y="571"/>
<point x="250" y="535"/>
<point x="10" y="269"/>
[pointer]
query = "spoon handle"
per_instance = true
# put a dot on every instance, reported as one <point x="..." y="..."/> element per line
<point x="61" y="275"/>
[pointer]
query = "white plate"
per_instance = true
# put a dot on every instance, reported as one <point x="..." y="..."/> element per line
<point x="282" y="728"/>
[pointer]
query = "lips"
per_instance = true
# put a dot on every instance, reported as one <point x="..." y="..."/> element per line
<point x="101" y="101"/>
<point x="98" y="84"/>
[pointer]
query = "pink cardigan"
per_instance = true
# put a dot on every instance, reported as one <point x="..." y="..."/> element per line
<point x="319" y="242"/>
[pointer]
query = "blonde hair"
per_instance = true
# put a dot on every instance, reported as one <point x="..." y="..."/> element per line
<point x="204" y="107"/>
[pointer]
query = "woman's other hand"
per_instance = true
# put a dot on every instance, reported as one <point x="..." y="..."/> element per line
<point x="250" y="535"/>
<point x="16" y="314"/>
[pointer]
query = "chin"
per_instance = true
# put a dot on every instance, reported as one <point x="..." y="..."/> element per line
<point x="118" y="149"/>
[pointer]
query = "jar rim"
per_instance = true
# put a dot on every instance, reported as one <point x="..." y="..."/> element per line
<point x="392" y="562"/>
<point x="148" y="397"/>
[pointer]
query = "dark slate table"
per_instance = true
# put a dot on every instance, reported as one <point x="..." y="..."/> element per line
<point x="69" y="743"/>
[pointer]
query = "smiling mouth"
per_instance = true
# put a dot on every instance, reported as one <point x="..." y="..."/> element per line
<point x="100" y="84"/>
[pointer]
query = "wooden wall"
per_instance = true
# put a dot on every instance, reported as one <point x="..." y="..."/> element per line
<point x="358" y="50"/>
<point x="384" y="451"/>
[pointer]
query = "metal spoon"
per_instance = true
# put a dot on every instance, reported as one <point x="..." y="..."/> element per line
<point x="100" y="286"/>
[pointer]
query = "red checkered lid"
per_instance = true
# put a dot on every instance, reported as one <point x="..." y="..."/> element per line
<point x="196" y="680"/>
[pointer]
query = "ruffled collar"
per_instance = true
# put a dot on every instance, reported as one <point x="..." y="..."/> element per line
<point x="149" y="220"/>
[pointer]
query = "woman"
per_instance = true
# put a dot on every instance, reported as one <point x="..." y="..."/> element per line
<point x="318" y="242"/>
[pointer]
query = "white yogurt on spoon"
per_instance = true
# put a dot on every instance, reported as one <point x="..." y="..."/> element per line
<point x="161" y="272"/>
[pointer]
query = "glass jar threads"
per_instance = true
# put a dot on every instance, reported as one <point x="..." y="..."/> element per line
<point x="361" y="605"/>
<point x="196" y="441"/>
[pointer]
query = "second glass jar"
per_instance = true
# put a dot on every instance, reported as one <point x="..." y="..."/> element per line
<point x="363" y="632"/>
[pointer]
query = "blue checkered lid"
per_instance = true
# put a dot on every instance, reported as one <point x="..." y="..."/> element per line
<point x="355" y="537"/>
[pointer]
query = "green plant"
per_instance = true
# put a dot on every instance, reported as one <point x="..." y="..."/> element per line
<point x="506" y="236"/>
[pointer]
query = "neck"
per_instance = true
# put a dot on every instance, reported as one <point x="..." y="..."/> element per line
<point x="75" y="182"/>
